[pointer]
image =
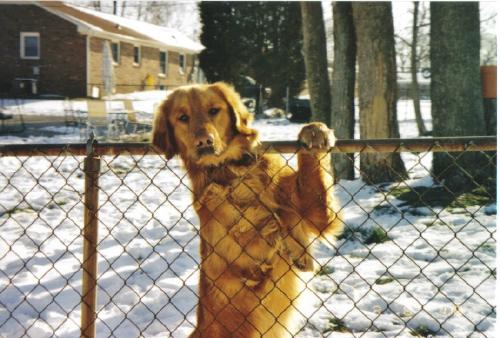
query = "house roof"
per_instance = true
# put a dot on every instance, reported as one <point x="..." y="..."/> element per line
<point x="94" y="23"/>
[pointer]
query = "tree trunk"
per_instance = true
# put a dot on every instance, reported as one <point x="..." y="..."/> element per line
<point x="377" y="88"/>
<point x="415" y="90"/>
<point x="313" y="30"/>
<point x="457" y="106"/>
<point x="96" y="5"/>
<point x="344" y="76"/>
<point x="139" y="10"/>
<point x="123" y="8"/>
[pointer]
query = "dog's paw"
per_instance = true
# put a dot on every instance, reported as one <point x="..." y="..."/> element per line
<point x="305" y="263"/>
<point x="317" y="135"/>
<point x="254" y="276"/>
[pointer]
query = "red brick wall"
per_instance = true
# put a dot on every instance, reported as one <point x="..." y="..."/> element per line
<point x="62" y="60"/>
<point x="63" y="57"/>
<point x="130" y="77"/>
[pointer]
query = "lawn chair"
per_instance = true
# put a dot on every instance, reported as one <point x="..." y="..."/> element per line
<point x="72" y="116"/>
<point x="133" y="124"/>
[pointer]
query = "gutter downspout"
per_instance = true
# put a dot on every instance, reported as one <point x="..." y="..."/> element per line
<point x="87" y="72"/>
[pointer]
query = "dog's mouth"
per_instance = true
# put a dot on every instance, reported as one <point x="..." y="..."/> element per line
<point x="208" y="150"/>
<point x="210" y="156"/>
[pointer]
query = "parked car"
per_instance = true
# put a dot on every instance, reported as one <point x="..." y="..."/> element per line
<point x="299" y="110"/>
<point x="250" y="103"/>
<point x="253" y="93"/>
<point x="247" y="87"/>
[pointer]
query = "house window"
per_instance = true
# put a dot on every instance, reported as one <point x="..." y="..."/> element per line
<point x="182" y="62"/>
<point x="115" y="51"/>
<point x="30" y="45"/>
<point x="163" y="62"/>
<point x="137" y="55"/>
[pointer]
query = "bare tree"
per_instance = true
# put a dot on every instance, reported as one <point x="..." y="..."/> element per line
<point x="415" y="91"/>
<point x="154" y="13"/>
<point x="377" y="88"/>
<point x="139" y="10"/>
<point x="97" y="5"/>
<point x="123" y="8"/>
<point x="415" y="48"/>
<point x="315" y="58"/>
<point x="488" y="38"/>
<point x="343" y="81"/>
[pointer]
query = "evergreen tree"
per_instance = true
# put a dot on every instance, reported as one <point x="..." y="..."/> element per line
<point x="219" y="35"/>
<point x="262" y="40"/>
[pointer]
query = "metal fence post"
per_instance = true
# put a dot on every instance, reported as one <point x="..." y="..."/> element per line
<point x="91" y="168"/>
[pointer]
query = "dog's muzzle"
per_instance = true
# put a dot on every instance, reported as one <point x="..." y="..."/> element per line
<point x="208" y="150"/>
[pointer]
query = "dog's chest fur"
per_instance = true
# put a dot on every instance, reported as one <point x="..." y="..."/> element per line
<point x="240" y="202"/>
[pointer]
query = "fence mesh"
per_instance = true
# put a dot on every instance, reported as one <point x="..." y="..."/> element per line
<point x="415" y="258"/>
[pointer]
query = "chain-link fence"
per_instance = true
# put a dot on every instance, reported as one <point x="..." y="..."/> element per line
<point x="105" y="237"/>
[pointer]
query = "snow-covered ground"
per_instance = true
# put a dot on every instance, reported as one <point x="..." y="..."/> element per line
<point x="143" y="102"/>
<point x="433" y="274"/>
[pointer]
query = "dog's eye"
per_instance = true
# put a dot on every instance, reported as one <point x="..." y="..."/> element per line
<point x="184" y="118"/>
<point x="213" y="111"/>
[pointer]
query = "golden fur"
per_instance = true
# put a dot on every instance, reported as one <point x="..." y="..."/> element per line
<point x="259" y="219"/>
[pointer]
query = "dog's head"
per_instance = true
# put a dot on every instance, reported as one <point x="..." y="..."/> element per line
<point x="205" y="124"/>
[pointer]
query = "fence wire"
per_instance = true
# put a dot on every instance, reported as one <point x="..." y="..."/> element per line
<point x="416" y="258"/>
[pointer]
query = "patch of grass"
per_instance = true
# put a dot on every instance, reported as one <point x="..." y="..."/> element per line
<point x="433" y="223"/>
<point x="59" y="203"/>
<point x="422" y="331"/>
<point x="326" y="270"/>
<point x="465" y="269"/>
<point x="384" y="280"/>
<point x="488" y="248"/>
<point x="386" y="209"/>
<point x="377" y="235"/>
<point x="348" y="235"/>
<point x="336" y="325"/>
<point x="406" y="314"/>
<point x="119" y="169"/>
<point x="478" y="196"/>
<point x="16" y="210"/>
<point x="325" y="289"/>
<point x="441" y="197"/>
<point x="417" y="212"/>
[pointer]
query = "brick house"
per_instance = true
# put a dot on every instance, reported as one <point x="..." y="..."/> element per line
<point x="57" y="48"/>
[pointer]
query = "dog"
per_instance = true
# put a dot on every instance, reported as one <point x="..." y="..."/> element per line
<point x="259" y="219"/>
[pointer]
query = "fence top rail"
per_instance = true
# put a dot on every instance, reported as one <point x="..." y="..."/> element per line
<point x="437" y="144"/>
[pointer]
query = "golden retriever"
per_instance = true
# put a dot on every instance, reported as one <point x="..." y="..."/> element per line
<point x="259" y="219"/>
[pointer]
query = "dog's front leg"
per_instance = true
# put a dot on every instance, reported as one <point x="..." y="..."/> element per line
<point x="314" y="178"/>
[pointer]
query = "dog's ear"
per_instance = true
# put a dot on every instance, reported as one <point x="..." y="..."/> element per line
<point x="163" y="134"/>
<point x="240" y="116"/>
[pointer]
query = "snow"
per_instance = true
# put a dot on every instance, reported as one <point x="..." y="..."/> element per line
<point x="167" y="36"/>
<point x="143" y="101"/>
<point x="425" y="278"/>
